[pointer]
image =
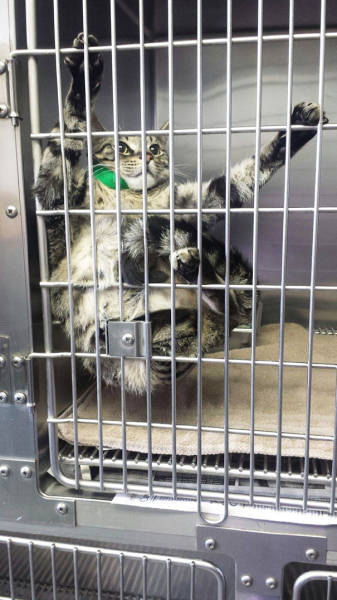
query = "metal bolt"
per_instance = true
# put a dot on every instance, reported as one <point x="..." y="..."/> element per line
<point x="4" y="110"/>
<point x="17" y="361"/>
<point x="26" y="472"/>
<point x="247" y="580"/>
<point x="128" y="339"/>
<point x="311" y="554"/>
<point x="3" y="66"/>
<point x="3" y="396"/>
<point x="2" y="361"/>
<point x="4" y="470"/>
<point x="11" y="211"/>
<point x="271" y="583"/>
<point x="210" y="544"/>
<point x="62" y="508"/>
<point x="20" y="397"/>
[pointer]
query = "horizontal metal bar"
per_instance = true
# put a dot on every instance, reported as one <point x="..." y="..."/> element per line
<point x="190" y="359"/>
<point x="190" y="131"/>
<point x="281" y="37"/>
<point x="192" y="286"/>
<point x="185" y="211"/>
<point x="207" y="428"/>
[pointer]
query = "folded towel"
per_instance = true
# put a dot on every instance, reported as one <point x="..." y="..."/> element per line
<point x="323" y="401"/>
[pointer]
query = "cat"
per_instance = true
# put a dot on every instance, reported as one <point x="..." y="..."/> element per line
<point x="49" y="188"/>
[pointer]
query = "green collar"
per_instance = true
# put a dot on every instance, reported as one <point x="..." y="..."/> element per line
<point x="108" y="177"/>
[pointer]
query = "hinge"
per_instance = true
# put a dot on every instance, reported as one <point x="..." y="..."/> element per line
<point x="128" y="338"/>
<point x="8" y="109"/>
<point x="13" y="375"/>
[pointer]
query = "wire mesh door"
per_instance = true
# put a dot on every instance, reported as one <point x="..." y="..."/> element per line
<point x="251" y="476"/>
<point x="42" y="569"/>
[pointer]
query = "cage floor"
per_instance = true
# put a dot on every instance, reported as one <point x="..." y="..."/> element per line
<point x="212" y="470"/>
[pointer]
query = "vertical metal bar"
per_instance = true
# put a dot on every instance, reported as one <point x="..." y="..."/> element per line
<point x="168" y="579"/>
<point x="329" y="590"/>
<point x="75" y="568"/>
<point x="34" y="112"/>
<point x="99" y="574"/>
<point x="31" y="569"/>
<point x="121" y="576"/>
<point x="144" y="577"/>
<point x="314" y="248"/>
<point x="192" y="581"/>
<point x="284" y="251"/>
<point x="67" y="237"/>
<point x="199" y="237"/>
<point x="172" y="245"/>
<point x="255" y="244"/>
<point x="119" y="227"/>
<point x="10" y="570"/>
<point x="334" y="461"/>
<point x="146" y="258"/>
<point x="93" y="242"/>
<point x="227" y="244"/>
<point x="53" y="571"/>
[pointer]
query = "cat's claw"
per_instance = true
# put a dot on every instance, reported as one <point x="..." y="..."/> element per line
<point x="186" y="261"/>
<point x="75" y="62"/>
<point x="307" y="113"/>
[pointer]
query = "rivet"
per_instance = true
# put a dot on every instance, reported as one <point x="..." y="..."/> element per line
<point x="210" y="544"/>
<point x="247" y="580"/>
<point x="3" y="396"/>
<point x="311" y="554"/>
<point x="4" y="110"/>
<point x="3" y="66"/>
<point x="128" y="339"/>
<point x="4" y="471"/>
<point x="20" y="397"/>
<point x="26" y="472"/>
<point x="271" y="583"/>
<point x="17" y="361"/>
<point x="11" y="211"/>
<point x="62" y="508"/>
<point x="2" y="361"/>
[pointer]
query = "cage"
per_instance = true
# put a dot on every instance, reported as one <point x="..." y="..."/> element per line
<point x="248" y="436"/>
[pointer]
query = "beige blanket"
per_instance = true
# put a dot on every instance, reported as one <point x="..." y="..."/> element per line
<point x="323" y="402"/>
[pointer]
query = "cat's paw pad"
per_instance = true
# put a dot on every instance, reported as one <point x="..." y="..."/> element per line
<point x="186" y="261"/>
<point x="307" y="113"/>
<point x="75" y="62"/>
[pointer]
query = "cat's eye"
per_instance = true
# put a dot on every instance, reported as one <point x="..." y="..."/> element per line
<point x="155" y="149"/>
<point x="124" y="148"/>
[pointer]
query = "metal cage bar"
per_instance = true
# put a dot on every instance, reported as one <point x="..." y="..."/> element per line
<point x="146" y="256"/>
<point x="314" y="246"/>
<point x="284" y="251"/>
<point x="119" y="222"/>
<point x="67" y="234"/>
<point x="93" y="238"/>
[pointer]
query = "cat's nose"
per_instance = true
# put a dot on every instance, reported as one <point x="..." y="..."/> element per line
<point x="148" y="157"/>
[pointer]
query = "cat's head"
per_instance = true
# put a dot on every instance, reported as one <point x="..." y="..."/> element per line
<point x="130" y="158"/>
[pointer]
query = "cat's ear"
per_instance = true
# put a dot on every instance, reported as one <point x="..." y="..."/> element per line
<point x="96" y="124"/>
<point x="165" y="126"/>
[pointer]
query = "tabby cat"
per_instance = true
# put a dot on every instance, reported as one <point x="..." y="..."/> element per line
<point x="49" y="189"/>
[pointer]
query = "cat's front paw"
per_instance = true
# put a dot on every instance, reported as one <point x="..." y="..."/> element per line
<point x="186" y="261"/>
<point x="307" y="113"/>
<point x="75" y="63"/>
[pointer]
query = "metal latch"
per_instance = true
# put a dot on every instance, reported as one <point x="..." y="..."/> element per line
<point x="128" y="338"/>
<point x="8" y="108"/>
